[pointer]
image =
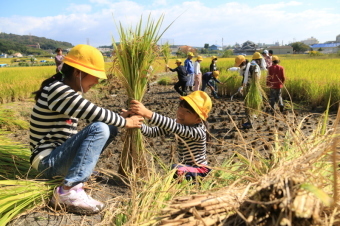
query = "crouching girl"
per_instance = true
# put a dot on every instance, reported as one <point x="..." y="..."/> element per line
<point x="191" y="128"/>
<point x="58" y="149"/>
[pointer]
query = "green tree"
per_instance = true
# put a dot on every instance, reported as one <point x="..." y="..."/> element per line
<point x="227" y="53"/>
<point x="299" y="47"/>
<point x="206" y="46"/>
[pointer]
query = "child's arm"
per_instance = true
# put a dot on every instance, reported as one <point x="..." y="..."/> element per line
<point x="168" y="124"/>
<point x="139" y="109"/>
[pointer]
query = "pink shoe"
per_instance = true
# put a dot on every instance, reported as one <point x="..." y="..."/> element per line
<point x="76" y="200"/>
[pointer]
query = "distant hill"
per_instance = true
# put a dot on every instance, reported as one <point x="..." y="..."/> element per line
<point x="29" y="44"/>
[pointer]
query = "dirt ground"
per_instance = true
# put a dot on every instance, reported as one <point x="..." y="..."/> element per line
<point x="225" y="122"/>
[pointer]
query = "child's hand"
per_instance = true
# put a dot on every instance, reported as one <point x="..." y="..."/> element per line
<point x="125" y="113"/>
<point x="134" y="121"/>
<point x="138" y="108"/>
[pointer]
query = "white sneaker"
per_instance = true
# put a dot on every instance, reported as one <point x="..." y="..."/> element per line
<point x="76" y="200"/>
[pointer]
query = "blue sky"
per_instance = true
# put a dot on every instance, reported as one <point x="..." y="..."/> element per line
<point x="200" y="21"/>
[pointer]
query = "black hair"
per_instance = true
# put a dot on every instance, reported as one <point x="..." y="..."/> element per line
<point x="244" y="62"/>
<point x="66" y="71"/>
<point x="186" y="105"/>
<point x="58" y="49"/>
<point x="270" y="51"/>
<point x="276" y="61"/>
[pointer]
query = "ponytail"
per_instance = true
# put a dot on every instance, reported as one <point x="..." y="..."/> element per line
<point x="66" y="71"/>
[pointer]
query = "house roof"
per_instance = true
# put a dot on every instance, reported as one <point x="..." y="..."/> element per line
<point x="280" y="47"/>
<point x="328" y="45"/>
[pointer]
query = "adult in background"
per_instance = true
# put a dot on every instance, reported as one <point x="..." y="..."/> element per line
<point x="182" y="77"/>
<point x="59" y="59"/>
<point x="57" y="148"/>
<point x="275" y="81"/>
<point x="189" y="67"/>
<point x="267" y="58"/>
<point x="198" y="73"/>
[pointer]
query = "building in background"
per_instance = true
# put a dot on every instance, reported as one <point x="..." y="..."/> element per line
<point x="326" y="48"/>
<point x="310" y="41"/>
<point x="281" y="50"/>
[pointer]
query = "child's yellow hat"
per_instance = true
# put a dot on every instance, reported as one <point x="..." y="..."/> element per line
<point x="200" y="102"/>
<point x="87" y="59"/>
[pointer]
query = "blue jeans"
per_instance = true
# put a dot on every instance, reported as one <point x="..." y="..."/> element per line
<point x="77" y="157"/>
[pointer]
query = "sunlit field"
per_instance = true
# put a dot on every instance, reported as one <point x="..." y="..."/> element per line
<point x="309" y="80"/>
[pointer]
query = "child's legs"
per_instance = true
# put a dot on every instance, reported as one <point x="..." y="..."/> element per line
<point x="279" y="97"/>
<point x="76" y="158"/>
<point x="198" y="82"/>
<point x="275" y="96"/>
<point x="190" y="172"/>
<point x="190" y="81"/>
<point x="183" y="85"/>
<point x="176" y="87"/>
<point x="204" y="85"/>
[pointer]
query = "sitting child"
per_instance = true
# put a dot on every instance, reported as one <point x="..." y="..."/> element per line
<point x="191" y="128"/>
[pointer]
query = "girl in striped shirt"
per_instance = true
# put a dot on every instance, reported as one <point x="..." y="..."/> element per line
<point x="190" y="128"/>
<point x="57" y="148"/>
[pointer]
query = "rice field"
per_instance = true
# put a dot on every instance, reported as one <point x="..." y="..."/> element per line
<point x="19" y="82"/>
<point x="309" y="80"/>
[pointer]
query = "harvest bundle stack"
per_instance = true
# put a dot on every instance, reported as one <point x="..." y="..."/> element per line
<point x="205" y="209"/>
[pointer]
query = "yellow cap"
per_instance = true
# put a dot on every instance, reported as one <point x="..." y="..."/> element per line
<point x="200" y="102"/>
<point x="190" y="54"/>
<point x="238" y="60"/>
<point x="199" y="58"/>
<point x="214" y="57"/>
<point x="178" y="61"/>
<point x="87" y="59"/>
<point x="215" y="74"/>
<point x="275" y="58"/>
<point x="257" y="56"/>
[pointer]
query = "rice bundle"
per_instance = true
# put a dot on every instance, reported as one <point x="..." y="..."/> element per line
<point x="134" y="54"/>
<point x="254" y="97"/>
<point x="166" y="51"/>
<point x="19" y="195"/>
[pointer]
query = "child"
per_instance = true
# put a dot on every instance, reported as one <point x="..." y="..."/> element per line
<point x="250" y="72"/>
<point x="190" y="125"/>
<point x="206" y="81"/>
<point x="212" y="68"/>
<point x="275" y="81"/>
<point x="198" y="73"/>
<point x="189" y="67"/>
<point x="57" y="148"/>
<point x="182" y="78"/>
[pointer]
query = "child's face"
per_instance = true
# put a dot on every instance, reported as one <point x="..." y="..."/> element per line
<point x="186" y="117"/>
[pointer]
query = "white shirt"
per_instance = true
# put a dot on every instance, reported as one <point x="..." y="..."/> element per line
<point x="197" y="68"/>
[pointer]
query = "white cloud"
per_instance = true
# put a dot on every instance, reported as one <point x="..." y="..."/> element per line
<point x="79" y="8"/>
<point x="198" y="23"/>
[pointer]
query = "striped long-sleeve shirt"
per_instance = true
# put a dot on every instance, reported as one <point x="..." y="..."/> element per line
<point x="55" y="115"/>
<point x="191" y="139"/>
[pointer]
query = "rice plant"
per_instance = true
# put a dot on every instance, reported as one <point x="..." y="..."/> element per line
<point x="254" y="99"/>
<point x="19" y="191"/>
<point x="135" y="53"/>
<point x="166" y="52"/>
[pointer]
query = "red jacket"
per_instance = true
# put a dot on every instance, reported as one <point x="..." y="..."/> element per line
<point x="276" y="77"/>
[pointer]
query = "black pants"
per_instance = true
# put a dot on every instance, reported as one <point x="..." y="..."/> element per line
<point x="181" y="84"/>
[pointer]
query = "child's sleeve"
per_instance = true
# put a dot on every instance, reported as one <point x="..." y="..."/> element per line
<point x="152" y="131"/>
<point x="170" y="125"/>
